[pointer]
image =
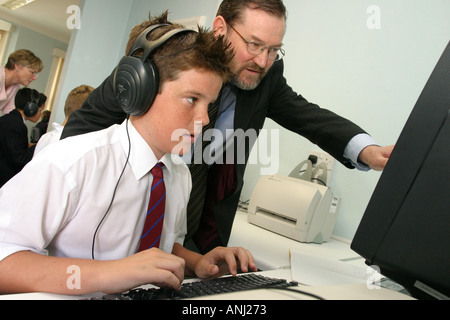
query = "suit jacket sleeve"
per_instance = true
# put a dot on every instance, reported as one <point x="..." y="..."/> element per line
<point x="328" y="130"/>
<point x="98" y="112"/>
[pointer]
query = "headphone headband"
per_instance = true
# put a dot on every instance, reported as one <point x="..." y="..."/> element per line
<point x="141" y="41"/>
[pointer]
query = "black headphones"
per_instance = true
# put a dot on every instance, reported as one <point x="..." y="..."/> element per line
<point x="136" y="79"/>
<point x="31" y="107"/>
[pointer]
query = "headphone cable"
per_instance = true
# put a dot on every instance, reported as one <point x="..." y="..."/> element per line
<point x="114" y="193"/>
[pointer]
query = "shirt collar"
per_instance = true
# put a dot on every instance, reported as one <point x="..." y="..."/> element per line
<point x="142" y="159"/>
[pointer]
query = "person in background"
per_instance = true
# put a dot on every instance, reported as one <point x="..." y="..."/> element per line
<point x="41" y="127"/>
<point x="15" y="150"/>
<point x="21" y="69"/>
<point x="74" y="101"/>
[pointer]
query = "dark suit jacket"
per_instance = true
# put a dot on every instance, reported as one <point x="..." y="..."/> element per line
<point x="14" y="151"/>
<point x="273" y="98"/>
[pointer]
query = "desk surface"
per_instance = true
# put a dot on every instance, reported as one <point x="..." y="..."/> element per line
<point x="335" y="292"/>
<point x="276" y="255"/>
<point x="331" y="269"/>
<point x="273" y="251"/>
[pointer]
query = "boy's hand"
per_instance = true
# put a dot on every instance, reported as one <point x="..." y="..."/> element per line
<point x="220" y="261"/>
<point x="27" y="271"/>
<point x="152" y="266"/>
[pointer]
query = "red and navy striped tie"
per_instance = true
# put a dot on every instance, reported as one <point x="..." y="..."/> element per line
<point x="151" y="234"/>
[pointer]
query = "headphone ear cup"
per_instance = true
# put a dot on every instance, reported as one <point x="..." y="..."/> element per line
<point x="136" y="85"/>
<point x="30" y="109"/>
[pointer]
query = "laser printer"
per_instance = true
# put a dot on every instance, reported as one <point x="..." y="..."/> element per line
<point x="295" y="208"/>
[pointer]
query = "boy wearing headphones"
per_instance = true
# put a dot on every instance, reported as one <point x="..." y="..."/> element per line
<point x="94" y="189"/>
<point x="15" y="151"/>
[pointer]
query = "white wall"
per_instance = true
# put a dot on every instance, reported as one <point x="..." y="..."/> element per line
<point x="177" y="10"/>
<point x="94" y="49"/>
<point x="372" y="77"/>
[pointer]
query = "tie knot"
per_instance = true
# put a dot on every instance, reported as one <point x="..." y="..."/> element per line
<point x="157" y="170"/>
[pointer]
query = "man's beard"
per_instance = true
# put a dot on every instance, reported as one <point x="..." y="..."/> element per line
<point x="254" y="81"/>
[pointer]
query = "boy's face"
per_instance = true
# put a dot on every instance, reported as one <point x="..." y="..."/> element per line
<point x="179" y="111"/>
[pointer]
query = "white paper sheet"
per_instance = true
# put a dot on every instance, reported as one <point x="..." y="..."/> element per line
<point x="312" y="270"/>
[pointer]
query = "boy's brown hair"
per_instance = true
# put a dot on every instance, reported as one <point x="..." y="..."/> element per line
<point x="185" y="51"/>
<point x="75" y="98"/>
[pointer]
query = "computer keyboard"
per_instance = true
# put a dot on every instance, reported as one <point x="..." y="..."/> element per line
<point x="202" y="288"/>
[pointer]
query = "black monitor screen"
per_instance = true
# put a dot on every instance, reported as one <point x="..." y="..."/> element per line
<point x="405" y="230"/>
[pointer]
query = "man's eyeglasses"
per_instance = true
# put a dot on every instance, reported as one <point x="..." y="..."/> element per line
<point x="256" y="48"/>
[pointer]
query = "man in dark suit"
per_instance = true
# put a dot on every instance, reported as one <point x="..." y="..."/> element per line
<point x="258" y="89"/>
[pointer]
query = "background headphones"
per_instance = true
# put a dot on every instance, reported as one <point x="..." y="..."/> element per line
<point x="136" y="79"/>
<point x="31" y="107"/>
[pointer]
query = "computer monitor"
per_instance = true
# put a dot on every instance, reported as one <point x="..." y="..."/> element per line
<point x="405" y="230"/>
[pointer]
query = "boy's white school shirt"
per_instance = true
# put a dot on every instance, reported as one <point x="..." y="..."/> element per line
<point x="55" y="204"/>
